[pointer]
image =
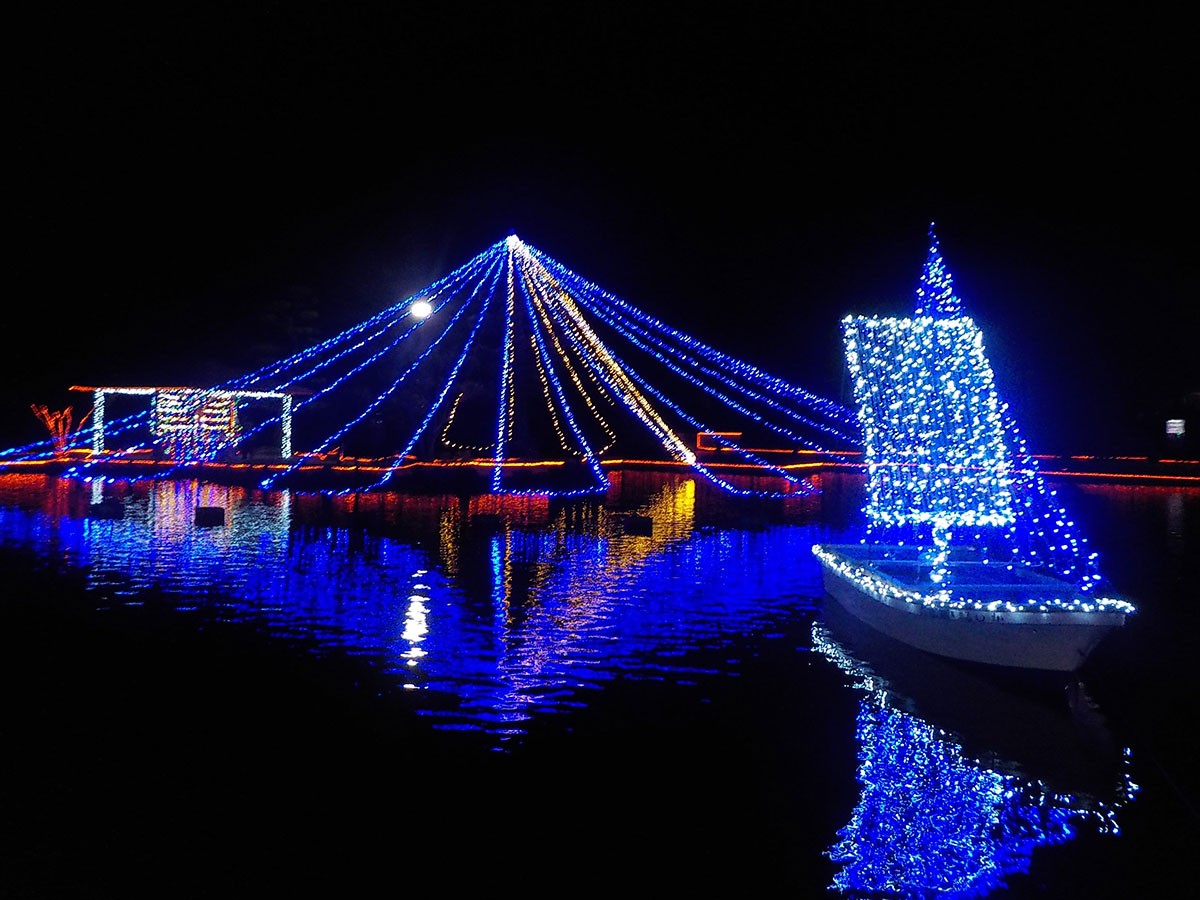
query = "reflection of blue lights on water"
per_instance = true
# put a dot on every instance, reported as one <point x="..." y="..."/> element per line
<point x="932" y="822"/>
<point x="498" y="623"/>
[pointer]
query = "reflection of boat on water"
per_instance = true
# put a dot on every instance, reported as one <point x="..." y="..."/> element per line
<point x="966" y="554"/>
<point x="1039" y="729"/>
<point x="961" y="778"/>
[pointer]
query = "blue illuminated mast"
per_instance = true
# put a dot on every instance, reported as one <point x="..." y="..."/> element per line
<point x="935" y="292"/>
<point x="933" y="424"/>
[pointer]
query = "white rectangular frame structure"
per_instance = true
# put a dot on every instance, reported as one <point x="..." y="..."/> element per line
<point x="203" y="394"/>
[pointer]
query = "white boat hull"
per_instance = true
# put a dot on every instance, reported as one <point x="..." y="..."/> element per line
<point x="1057" y="640"/>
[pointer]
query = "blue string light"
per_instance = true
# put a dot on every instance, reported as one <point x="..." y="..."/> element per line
<point x="548" y="325"/>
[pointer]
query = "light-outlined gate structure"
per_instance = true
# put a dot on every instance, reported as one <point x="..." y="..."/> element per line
<point x="192" y="424"/>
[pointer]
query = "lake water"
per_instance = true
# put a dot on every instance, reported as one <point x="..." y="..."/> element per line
<point x="645" y="694"/>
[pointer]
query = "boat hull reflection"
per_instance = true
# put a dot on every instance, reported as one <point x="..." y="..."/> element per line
<point x="963" y="775"/>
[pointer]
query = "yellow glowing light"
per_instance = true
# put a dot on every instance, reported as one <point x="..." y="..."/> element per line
<point x="420" y="309"/>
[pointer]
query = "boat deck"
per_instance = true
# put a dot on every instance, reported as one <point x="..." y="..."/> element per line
<point x="972" y="580"/>
<point x="966" y="565"/>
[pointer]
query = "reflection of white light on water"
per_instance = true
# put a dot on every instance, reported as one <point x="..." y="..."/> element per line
<point x="416" y="621"/>
<point x="416" y="626"/>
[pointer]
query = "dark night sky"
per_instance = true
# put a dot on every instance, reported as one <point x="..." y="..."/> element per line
<point x="177" y="174"/>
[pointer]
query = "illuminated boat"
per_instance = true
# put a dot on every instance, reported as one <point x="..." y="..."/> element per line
<point x="1015" y="616"/>
<point x="966" y="553"/>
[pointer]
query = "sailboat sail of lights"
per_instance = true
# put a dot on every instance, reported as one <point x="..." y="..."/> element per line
<point x="510" y="362"/>
<point x="966" y="554"/>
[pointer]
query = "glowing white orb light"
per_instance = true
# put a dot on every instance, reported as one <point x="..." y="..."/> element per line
<point x="420" y="309"/>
